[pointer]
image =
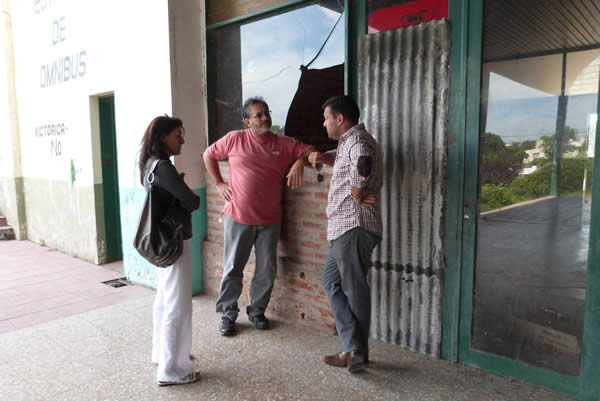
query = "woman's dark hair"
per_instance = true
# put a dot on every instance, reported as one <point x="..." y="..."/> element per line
<point x="151" y="144"/>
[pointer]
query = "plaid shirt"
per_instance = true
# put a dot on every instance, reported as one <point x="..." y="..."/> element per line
<point x="343" y="213"/>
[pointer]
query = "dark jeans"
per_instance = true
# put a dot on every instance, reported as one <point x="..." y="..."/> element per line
<point x="345" y="282"/>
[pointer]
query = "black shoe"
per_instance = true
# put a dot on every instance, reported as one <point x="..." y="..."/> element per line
<point x="260" y="321"/>
<point x="227" y="326"/>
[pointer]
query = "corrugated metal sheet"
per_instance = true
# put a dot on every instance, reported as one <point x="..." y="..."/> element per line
<point x="403" y="90"/>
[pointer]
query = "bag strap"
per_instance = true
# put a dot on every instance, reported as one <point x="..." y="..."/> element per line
<point x="150" y="175"/>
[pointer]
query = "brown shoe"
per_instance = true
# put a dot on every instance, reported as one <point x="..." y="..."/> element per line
<point x="355" y="361"/>
<point x="338" y="359"/>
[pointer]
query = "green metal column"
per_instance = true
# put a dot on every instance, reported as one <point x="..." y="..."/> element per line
<point x="458" y="13"/>
<point x="561" y="117"/>
<point x="356" y="26"/>
<point x="590" y="363"/>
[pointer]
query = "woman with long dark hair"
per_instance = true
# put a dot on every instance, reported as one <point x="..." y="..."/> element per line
<point x="172" y="334"/>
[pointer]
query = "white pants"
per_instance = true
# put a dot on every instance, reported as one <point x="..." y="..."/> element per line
<point x="172" y="335"/>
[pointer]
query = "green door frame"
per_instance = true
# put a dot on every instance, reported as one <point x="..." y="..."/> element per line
<point x="458" y="16"/>
<point x="110" y="178"/>
<point x="466" y="17"/>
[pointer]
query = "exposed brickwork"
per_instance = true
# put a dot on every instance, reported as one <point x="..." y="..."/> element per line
<point x="298" y="293"/>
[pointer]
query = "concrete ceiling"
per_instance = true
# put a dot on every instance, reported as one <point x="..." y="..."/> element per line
<point x="516" y="31"/>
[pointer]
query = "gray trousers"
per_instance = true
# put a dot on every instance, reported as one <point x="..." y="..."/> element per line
<point x="239" y="239"/>
<point x="345" y="282"/>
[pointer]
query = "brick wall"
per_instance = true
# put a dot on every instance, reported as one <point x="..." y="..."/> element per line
<point x="298" y="293"/>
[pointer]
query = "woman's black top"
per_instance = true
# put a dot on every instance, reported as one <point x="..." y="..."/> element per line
<point x="173" y="193"/>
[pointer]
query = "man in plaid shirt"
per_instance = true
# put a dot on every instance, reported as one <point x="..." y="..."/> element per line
<point x="354" y="227"/>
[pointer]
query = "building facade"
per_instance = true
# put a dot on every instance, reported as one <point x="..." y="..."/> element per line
<point x="485" y="260"/>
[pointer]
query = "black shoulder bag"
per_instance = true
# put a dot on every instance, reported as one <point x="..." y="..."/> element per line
<point x="158" y="238"/>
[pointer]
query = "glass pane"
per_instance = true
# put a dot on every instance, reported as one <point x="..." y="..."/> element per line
<point x="266" y="58"/>
<point x="383" y="15"/>
<point x="536" y="158"/>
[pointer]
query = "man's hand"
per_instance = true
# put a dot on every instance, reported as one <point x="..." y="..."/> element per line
<point x="315" y="158"/>
<point x="294" y="177"/>
<point x="363" y="196"/>
<point x="224" y="190"/>
<point x="368" y="199"/>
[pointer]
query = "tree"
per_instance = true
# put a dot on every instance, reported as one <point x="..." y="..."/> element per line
<point x="500" y="164"/>
<point x="525" y="145"/>
<point x="277" y="129"/>
<point x="549" y="143"/>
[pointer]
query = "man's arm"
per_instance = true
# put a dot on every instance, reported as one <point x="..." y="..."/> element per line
<point x="297" y="170"/>
<point x="212" y="167"/>
<point x="361" y="157"/>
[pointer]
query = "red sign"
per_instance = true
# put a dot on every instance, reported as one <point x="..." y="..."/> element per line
<point x="412" y="13"/>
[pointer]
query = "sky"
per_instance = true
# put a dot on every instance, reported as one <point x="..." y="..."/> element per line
<point x="518" y="113"/>
<point x="273" y="50"/>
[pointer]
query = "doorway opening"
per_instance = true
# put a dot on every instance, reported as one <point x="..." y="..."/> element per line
<point x="110" y="179"/>
<point x="528" y="249"/>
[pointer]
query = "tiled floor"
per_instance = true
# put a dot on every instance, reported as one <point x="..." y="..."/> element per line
<point x="104" y="354"/>
<point x="39" y="284"/>
<point x="76" y="348"/>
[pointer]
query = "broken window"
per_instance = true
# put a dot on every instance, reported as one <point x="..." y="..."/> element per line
<point x="293" y="60"/>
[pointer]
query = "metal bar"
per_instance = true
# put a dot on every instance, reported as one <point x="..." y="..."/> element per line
<point x="471" y="173"/>
<point x="556" y="381"/>
<point x="590" y="363"/>
<point x="561" y="116"/>
<point x="356" y="25"/>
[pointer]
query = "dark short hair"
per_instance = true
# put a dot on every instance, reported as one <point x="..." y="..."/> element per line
<point x="343" y="105"/>
<point x="250" y="102"/>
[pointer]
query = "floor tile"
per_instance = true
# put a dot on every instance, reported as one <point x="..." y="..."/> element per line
<point x="34" y="318"/>
<point x="34" y="279"/>
<point x="104" y="353"/>
<point x="61" y="300"/>
<point x="5" y="326"/>
<point x="10" y="312"/>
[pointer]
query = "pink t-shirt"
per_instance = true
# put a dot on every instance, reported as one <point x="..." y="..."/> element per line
<point x="257" y="167"/>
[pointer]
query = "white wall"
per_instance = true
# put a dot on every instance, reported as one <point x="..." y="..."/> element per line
<point x="124" y="46"/>
<point x="6" y="163"/>
<point x="112" y="46"/>
<point x="11" y="181"/>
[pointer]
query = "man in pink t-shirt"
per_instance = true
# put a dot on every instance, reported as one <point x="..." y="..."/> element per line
<point x="258" y="162"/>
